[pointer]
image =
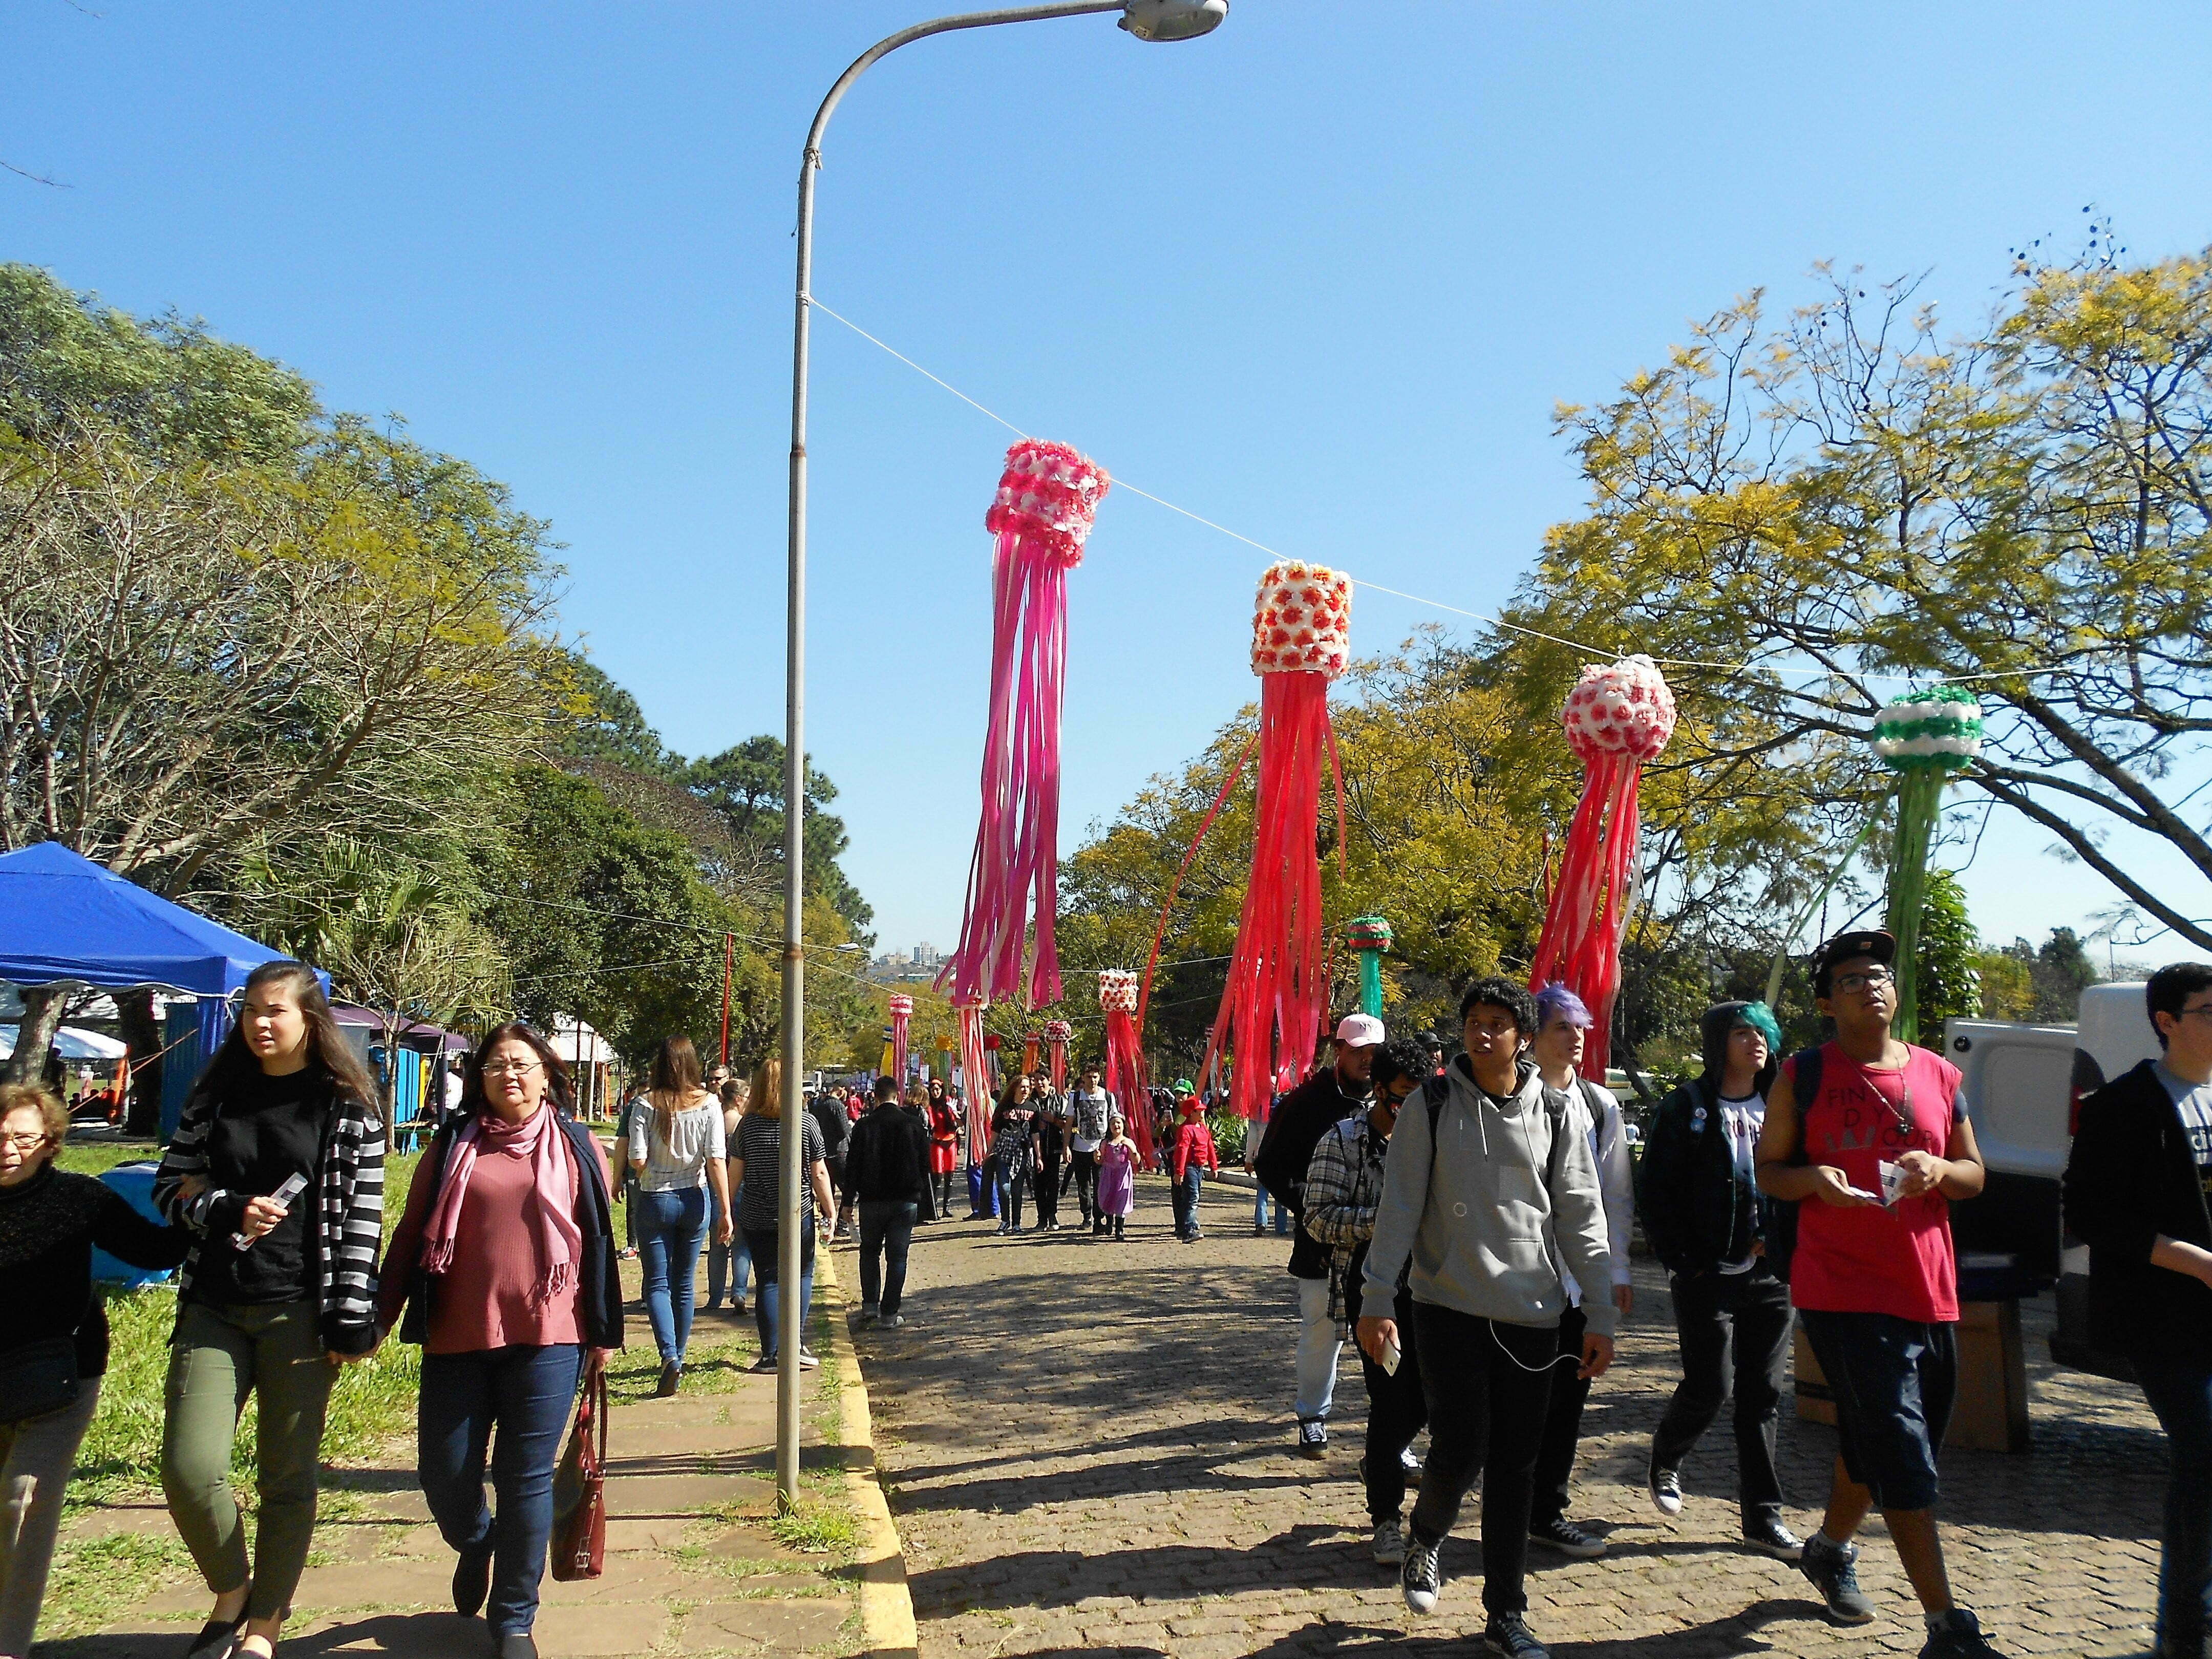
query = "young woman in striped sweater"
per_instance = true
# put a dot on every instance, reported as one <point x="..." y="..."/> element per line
<point x="275" y="1293"/>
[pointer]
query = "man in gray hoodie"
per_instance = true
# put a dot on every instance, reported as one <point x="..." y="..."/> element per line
<point x="1494" y="1197"/>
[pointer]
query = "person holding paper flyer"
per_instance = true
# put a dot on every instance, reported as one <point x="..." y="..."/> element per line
<point x="1876" y="1282"/>
<point x="271" y="1288"/>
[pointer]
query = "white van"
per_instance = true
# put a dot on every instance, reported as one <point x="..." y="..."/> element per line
<point x="2024" y="1087"/>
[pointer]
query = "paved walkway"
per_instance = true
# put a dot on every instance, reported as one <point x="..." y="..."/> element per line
<point x="693" y="1567"/>
<point x="1088" y="1448"/>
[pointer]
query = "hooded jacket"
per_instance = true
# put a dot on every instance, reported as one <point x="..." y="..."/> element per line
<point x="1488" y="1230"/>
<point x="2131" y="1177"/>
<point x="1699" y="1213"/>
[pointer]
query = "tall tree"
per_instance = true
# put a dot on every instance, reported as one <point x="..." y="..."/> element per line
<point x="1798" y="516"/>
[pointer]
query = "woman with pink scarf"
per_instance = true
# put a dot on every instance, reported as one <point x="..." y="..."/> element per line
<point x="505" y="1265"/>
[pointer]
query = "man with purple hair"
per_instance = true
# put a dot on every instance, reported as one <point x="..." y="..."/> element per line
<point x="1562" y="1023"/>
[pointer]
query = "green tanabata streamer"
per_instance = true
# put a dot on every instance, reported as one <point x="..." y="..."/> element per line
<point x="1923" y="738"/>
<point x="1371" y="936"/>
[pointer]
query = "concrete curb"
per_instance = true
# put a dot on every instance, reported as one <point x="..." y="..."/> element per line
<point x="887" y="1629"/>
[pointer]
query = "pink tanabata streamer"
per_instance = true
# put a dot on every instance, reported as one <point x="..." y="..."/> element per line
<point x="901" y="1022"/>
<point x="1046" y="499"/>
<point x="975" y="1075"/>
<point x="1620" y="715"/>
<point x="1058" y="1033"/>
<point x="1277" y="997"/>
<point x="1125" y="1058"/>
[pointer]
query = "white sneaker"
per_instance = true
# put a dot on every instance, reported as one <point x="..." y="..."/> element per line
<point x="1422" y="1577"/>
<point x="1389" y="1544"/>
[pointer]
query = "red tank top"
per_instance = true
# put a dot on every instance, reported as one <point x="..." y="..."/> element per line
<point x="1897" y="1260"/>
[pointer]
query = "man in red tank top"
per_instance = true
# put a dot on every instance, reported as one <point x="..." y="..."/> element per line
<point x="1873" y="1155"/>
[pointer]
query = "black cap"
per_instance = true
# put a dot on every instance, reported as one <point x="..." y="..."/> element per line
<point x="1876" y="942"/>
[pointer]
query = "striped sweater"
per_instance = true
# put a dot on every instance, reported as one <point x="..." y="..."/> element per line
<point x="349" y="1210"/>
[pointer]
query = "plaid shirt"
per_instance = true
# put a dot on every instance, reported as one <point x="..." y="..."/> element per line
<point x="1344" y="1187"/>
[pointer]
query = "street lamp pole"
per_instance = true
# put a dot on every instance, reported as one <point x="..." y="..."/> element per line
<point x="1148" y="19"/>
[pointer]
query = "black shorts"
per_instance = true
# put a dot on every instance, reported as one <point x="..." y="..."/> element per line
<point x="1893" y="1382"/>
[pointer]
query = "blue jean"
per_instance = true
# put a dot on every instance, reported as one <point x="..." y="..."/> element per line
<point x="767" y="1302"/>
<point x="2180" y="1393"/>
<point x="1184" y="1196"/>
<point x="1011" y="1184"/>
<point x="886" y="1235"/>
<point x="1259" y="1212"/>
<point x="730" y="1264"/>
<point x="671" y="1226"/>
<point x="983" y="1189"/>
<point x="526" y="1394"/>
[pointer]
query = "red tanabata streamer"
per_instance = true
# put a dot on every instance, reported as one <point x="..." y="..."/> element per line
<point x="975" y="1075"/>
<point x="1619" y="716"/>
<point x="1058" y="1033"/>
<point x="1277" y="997"/>
<point x="901" y="1022"/>
<point x="1125" y="1058"/>
<point x="1047" y="496"/>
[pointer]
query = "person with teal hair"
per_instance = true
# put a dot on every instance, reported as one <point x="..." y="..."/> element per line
<point x="1707" y="1220"/>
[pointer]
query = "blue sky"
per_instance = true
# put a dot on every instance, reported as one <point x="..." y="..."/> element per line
<point x="1322" y="276"/>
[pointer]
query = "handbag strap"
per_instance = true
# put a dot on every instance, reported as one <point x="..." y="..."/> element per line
<point x="592" y="1415"/>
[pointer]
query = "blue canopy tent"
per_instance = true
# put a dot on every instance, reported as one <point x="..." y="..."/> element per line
<point x="64" y="920"/>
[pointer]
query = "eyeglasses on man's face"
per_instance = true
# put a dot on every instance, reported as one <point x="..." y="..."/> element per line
<point x="1860" y="979"/>
<point x="2202" y="1010"/>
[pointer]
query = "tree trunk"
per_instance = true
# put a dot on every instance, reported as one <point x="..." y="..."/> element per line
<point x="133" y="1012"/>
<point x="43" y="1007"/>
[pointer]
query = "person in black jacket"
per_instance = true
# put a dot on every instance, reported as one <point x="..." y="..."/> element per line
<point x="827" y="1110"/>
<point x="887" y="1167"/>
<point x="1295" y="1127"/>
<point x="1706" y="1222"/>
<point x="2136" y="1191"/>
<point x="54" y="1334"/>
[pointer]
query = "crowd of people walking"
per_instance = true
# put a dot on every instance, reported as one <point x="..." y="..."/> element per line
<point x="1468" y="1224"/>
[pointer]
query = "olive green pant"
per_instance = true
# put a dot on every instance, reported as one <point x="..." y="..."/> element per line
<point x="219" y="1357"/>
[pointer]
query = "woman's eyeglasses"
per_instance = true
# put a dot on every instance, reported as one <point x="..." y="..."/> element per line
<point x="26" y="1142"/>
<point x="512" y="1068"/>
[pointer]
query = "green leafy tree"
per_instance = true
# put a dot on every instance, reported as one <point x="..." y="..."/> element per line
<point x="1947" y="973"/>
<point x="1794" y="513"/>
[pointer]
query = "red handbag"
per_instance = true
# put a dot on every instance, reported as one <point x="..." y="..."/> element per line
<point x="579" y="1505"/>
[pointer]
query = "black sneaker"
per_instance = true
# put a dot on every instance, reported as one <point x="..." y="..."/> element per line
<point x="1833" y="1569"/>
<point x="1564" y="1535"/>
<point x="1410" y="1460"/>
<point x="1766" y="1534"/>
<point x="1313" y="1437"/>
<point x="1422" y="1577"/>
<point x="1960" y="1638"/>
<point x="1666" y="1489"/>
<point x="1509" y="1634"/>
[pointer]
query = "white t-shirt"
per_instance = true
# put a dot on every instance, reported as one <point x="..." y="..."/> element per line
<point x="1741" y="1121"/>
<point x="679" y="1161"/>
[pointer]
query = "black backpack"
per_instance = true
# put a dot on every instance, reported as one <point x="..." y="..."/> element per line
<point x="1781" y="1220"/>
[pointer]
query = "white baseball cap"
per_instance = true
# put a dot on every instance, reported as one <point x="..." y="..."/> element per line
<point x="1359" y="1030"/>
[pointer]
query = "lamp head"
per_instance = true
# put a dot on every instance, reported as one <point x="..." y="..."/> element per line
<point x="1172" y="19"/>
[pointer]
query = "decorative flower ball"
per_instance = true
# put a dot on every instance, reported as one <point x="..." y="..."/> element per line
<point x="1302" y="620"/>
<point x="1939" y="730"/>
<point x="1049" y="493"/>
<point x="1117" y="990"/>
<point x="1368" y="933"/>
<point x="902" y="1005"/>
<point x="1620" y="707"/>
<point x="1058" y="1030"/>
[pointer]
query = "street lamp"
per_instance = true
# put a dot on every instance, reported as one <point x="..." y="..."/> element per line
<point x="1146" y="19"/>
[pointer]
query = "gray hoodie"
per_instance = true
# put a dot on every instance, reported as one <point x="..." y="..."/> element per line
<point x="1486" y="1238"/>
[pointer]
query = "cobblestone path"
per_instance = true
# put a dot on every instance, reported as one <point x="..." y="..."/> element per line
<point x="1088" y="1448"/>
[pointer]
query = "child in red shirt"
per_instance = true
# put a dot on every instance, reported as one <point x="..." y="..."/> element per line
<point x="1192" y="1154"/>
